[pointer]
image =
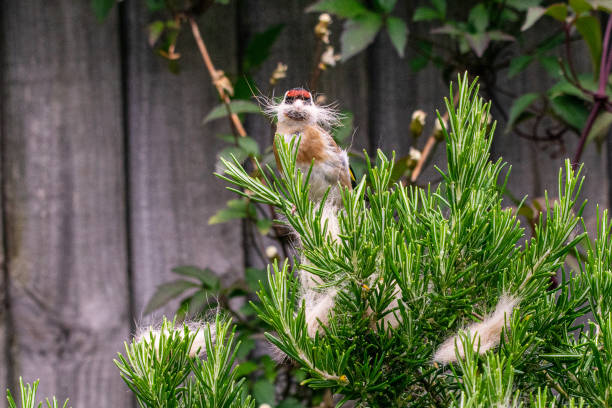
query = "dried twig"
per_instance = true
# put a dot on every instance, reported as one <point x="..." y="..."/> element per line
<point x="217" y="77"/>
<point x="429" y="146"/>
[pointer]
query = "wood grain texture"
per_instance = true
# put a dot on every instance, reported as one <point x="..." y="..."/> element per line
<point x="65" y="203"/>
<point x="172" y="158"/>
<point x="4" y="310"/>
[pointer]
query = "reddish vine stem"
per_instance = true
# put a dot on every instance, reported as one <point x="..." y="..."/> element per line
<point x="429" y="145"/>
<point x="214" y="74"/>
<point x="234" y="119"/>
<point x="600" y="98"/>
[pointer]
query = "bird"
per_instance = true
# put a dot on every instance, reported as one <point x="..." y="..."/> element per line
<point x="299" y="116"/>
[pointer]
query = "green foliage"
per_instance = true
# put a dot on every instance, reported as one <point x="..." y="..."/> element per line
<point x="363" y="24"/>
<point x="437" y="260"/>
<point x="158" y="368"/>
<point x="28" y="397"/>
<point x="237" y="106"/>
<point x="102" y="8"/>
<point x="258" y="48"/>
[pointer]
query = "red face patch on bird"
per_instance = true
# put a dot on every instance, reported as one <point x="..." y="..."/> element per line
<point x="297" y="93"/>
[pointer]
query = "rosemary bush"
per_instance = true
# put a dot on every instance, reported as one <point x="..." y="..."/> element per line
<point x="164" y="370"/>
<point x="453" y="268"/>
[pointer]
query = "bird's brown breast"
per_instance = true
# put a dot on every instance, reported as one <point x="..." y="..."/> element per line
<point x="314" y="145"/>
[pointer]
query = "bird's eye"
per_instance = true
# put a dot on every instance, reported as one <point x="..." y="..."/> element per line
<point x="289" y="99"/>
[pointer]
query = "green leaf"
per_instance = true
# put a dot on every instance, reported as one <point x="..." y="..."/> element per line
<point x="589" y="28"/>
<point x="166" y="292"/>
<point x="497" y="35"/>
<point x="224" y="2"/>
<point x="290" y="403"/>
<point x="479" y="18"/>
<point x="227" y="137"/>
<point x="253" y="276"/>
<point x="440" y="5"/>
<point x="264" y="391"/>
<point x="226" y="154"/>
<point x="426" y="14"/>
<point x="523" y="4"/>
<point x="156" y="5"/>
<point x="580" y="6"/>
<point x="258" y="48"/>
<point x="418" y="63"/>
<point x="246" y="346"/>
<point x="101" y="8"/>
<point x="246" y="368"/>
<point x="200" y="302"/>
<point x="206" y="276"/>
<point x="600" y="130"/>
<point x="551" y="65"/>
<point x="269" y="368"/>
<point x="564" y="87"/>
<point x="557" y="11"/>
<point x="264" y="225"/>
<point x="533" y="15"/>
<point x="342" y="8"/>
<point x="235" y="209"/>
<point x="518" y="64"/>
<point x="237" y="106"/>
<point x="571" y="110"/>
<point x="386" y="5"/>
<point x="358" y="33"/>
<point x="249" y="145"/>
<point x="518" y="107"/>
<point x="603" y="5"/>
<point x="155" y="30"/>
<point x="345" y="130"/>
<point x="398" y="32"/>
<point x="478" y="42"/>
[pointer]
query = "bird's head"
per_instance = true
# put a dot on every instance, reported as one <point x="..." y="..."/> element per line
<point x="298" y="108"/>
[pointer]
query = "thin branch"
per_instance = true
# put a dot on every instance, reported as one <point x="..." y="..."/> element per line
<point x="217" y="77"/>
<point x="429" y="146"/>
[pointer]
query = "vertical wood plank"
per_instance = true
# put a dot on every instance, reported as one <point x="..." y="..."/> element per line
<point x="4" y="306"/>
<point x="172" y="157"/>
<point x="64" y="199"/>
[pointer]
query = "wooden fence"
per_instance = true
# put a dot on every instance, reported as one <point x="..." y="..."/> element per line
<point x="106" y="171"/>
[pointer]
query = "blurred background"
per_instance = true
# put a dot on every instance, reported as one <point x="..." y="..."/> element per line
<point x="113" y="125"/>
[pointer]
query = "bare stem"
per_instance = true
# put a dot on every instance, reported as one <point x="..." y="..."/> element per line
<point x="429" y="145"/>
<point x="215" y="76"/>
<point x="601" y="98"/>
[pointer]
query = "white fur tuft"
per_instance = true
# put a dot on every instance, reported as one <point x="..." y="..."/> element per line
<point x="326" y="116"/>
<point x="485" y="333"/>
<point x="198" y="348"/>
<point x="318" y="306"/>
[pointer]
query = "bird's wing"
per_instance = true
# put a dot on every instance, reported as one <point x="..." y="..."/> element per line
<point x="339" y="160"/>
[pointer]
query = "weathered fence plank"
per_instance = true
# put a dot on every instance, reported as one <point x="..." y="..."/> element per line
<point x="64" y="199"/>
<point x="172" y="157"/>
<point x="4" y="312"/>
